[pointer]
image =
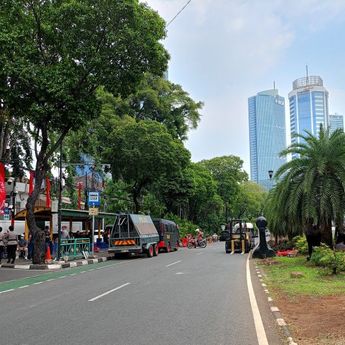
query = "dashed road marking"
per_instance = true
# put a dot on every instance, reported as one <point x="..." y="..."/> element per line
<point x="173" y="263"/>
<point x="108" y="292"/>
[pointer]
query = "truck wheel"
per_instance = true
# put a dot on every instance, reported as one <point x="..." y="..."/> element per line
<point x="150" y="252"/>
<point x="155" y="250"/>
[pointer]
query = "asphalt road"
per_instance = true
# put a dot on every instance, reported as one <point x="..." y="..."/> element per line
<point x="189" y="297"/>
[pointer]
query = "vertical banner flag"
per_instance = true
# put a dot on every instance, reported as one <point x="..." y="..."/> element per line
<point x="2" y="186"/>
<point x="31" y="182"/>
<point x="79" y="195"/>
<point x="48" y="200"/>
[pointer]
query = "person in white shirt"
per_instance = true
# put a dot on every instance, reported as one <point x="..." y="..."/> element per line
<point x="12" y="243"/>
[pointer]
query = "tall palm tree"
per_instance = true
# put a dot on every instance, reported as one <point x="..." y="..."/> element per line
<point x="312" y="186"/>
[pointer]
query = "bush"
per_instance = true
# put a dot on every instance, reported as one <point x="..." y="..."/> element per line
<point x="300" y="243"/>
<point x="281" y="245"/>
<point x="324" y="256"/>
<point x="185" y="226"/>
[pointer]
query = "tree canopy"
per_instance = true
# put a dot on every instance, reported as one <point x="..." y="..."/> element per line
<point x="311" y="187"/>
<point x="55" y="54"/>
<point x="158" y="99"/>
<point x="142" y="152"/>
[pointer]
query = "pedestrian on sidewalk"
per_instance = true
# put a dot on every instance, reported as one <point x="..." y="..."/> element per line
<point x="12" y="243"/>
<point x="49" y="242"/>
<point x="2" y="244"/>
<point x="22" y="248"/>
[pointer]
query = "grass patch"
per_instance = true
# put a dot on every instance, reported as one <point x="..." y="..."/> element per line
<point x="315" y="281"/>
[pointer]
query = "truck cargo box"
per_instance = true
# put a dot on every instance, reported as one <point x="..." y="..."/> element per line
<point x="132" y="233"/>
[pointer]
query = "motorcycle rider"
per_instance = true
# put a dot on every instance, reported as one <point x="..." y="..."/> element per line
<point x="199" y="238"/>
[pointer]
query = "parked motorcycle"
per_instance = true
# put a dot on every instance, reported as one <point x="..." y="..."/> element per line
<point x="197" y="243"/>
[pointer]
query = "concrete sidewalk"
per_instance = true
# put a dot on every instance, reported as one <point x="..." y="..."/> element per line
<point x="101" y="256"/>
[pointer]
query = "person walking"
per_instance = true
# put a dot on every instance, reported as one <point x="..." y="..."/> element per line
<point x="12" y="243"/>
<point x="2" y="244"/>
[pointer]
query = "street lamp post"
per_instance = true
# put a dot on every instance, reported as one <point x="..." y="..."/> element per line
<point x="270" y="175"/>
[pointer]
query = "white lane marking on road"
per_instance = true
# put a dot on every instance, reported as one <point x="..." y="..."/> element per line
<point x="24" y="286"/>
<point x="38" y="283"/>
<point x="50" y="280"/>
<point x="108" y="292"/>
<point x="259" y="327"/>
<point x="62" y="277"/>
<point x="179" y="273"/>
<point x="199" y="253"/>
<point x="174" y="263"/>
<point x="6" y="291"/>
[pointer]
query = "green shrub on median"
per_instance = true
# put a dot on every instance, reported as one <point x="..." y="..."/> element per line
<point x="300" y="243"/>
<point x="329" y="259"/>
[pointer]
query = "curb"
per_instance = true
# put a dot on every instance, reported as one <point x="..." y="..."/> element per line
<point x="56" y="266"/>
<point x="275" y="310"/>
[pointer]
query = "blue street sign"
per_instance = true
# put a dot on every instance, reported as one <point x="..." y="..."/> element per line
<point x="6" y="210"/>
<point x="94" y="199"/>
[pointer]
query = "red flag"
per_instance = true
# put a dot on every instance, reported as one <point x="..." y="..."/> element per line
<point x="79" y="195"/>
<point x="48" y="192"/>
<point x="2" y="186"/>
<point x="31" y="182"/>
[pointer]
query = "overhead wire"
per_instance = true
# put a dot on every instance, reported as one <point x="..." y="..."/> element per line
<point x="179" y="12"/>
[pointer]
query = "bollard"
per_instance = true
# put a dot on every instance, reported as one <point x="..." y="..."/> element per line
<point x="262" y="250"/>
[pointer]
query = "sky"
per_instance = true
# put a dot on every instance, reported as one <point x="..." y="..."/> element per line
<point x="224" y="51"/>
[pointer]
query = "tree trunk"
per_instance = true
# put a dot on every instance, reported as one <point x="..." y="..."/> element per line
<point x="326" y="234"/>
<point x="37" y="234"/>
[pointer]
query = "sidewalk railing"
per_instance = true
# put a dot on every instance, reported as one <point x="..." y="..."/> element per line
<point x="74" y="247"/>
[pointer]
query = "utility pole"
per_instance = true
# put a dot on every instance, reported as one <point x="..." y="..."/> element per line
<point x="59" y="204"/>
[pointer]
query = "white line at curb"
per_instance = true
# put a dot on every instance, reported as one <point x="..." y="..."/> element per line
<point x="259" y="327"/>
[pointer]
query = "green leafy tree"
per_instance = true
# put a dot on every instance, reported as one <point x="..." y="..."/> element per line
<point x="141" y="153"/>
<point x="228" y="172"/>
<point x="158" y="99"/>
<point x="54" y="56"/>
<point x="312" y="186"/>
<point x="14" y="143"/>
<point x="250" y="201"/>
<point x="205" y="206"/>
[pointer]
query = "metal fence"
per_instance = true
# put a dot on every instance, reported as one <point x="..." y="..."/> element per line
<point x="74" y="247"/>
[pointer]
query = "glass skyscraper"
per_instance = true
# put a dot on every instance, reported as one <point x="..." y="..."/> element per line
<point x="336" y="122"/>
<point x="308" y="106"/>
<point x="267" y="135"/>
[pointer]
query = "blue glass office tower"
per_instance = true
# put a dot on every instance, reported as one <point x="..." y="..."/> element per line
<point x="308" y="106"/>
<point x="267" y="135"/>
<point x="336" y="122"/>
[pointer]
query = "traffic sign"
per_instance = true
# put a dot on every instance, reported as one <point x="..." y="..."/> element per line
<point x="93" y="211"/>
<point x="94" y="199"/>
